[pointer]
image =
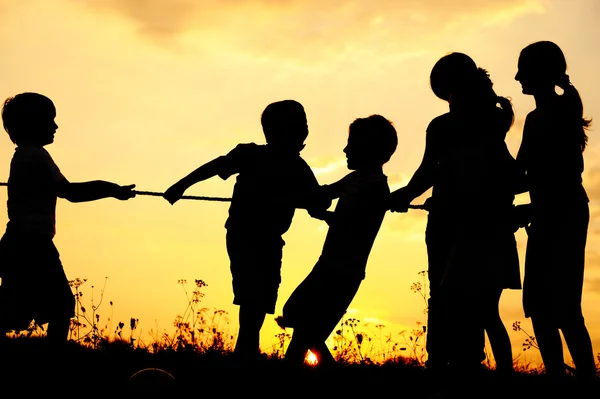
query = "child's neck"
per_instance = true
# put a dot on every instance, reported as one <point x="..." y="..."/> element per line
<point x="544" y="99"/>
<point x="370" y="169"/>
<point x="31" y="144"/>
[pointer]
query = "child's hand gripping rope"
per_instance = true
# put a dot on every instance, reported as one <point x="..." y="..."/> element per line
<point x="127" y="192"/>
<point x="174" y="197"/>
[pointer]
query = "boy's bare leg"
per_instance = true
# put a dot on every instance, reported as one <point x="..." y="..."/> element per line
<point x="497" y="334"/>
<point x="248" y="341"/>
<point x="58" y="333"/>
<point x="297" y="349"/>
<point x="3" y="339"/>
<point x="579" y="343"/>
<point x="548" y="338"/>
<point x="324" y="356"/>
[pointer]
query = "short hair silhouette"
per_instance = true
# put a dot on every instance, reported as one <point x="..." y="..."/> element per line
<point x="545" y="62"/>
<point x="284" y="122"/>
<point x="378" y="135"/>
<point x="20" y="114"/>
<point x="450" y="70"/>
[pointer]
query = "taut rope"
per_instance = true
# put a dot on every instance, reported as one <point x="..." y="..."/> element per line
<point x="200" y="198"/>
<point x="155" y="194"/>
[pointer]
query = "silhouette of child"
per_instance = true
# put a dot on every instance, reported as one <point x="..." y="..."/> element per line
<point x="320" y="301"/>
<point x="551" y="153"/>
<point x="34" y="284"/>
<point x="273" y="180"/>
<point x="448" y="73"/>
<point x="452" y="165"/>
<point x="482" y="179"/>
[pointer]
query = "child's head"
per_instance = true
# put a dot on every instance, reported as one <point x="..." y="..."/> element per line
<point x="477" y="92"/>
<point x="476" y="100"/>
<point x="371" y="142"/>
<point x="284" y="125"/>
<point x="542" y="66"/>
<point x="451" y="72"/>
<point x="28" y="118"/>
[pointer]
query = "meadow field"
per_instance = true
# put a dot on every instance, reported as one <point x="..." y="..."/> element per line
<point x="103" y="357"/>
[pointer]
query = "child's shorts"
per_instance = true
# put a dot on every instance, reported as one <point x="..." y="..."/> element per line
<point x="321" y="299"/>
<point x="34" y="284"/>
<point x="255" y="270"/>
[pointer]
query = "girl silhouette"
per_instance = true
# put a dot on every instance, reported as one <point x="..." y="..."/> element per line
<point x="468" y="166"/>
<point x="551" y="153"/>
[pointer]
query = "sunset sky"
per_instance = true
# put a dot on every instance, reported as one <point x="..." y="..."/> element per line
<point x="148" y="90"/>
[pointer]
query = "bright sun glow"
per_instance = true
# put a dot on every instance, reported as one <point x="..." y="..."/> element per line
<point x="311" y="359"/>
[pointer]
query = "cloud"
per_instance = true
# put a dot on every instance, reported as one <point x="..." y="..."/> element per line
<point x="312" y="28"/>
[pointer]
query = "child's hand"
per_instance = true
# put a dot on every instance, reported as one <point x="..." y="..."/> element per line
<point x="125" y="192"/>
<point x="521" y="216"/>
<point x="317" y="213"/>
<point x="399" y="201"/>
<point x="324" y="215"/>
<point x="174" y="193"/>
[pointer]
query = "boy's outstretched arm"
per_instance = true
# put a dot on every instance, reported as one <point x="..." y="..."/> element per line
<point x="93" y="190"/>
<point x="422" y="179"/>
<point x="323" y="196"/>
<point x="324" y="215"/>
<point x="206" y="171"/>
<point x="327" y="193"/>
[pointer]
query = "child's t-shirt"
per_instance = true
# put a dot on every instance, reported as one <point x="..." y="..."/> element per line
<point x="357" y="219"/>
<point x="551" y="154"/>
<point x="268" y="188"/>
<point x="32" y="192"/>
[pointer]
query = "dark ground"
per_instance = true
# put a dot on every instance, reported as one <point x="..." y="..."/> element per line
<point x="27" y="369"/>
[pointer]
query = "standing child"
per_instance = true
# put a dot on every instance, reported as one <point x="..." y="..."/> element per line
<point x="448" y="74"/>
<point x="320" y="301"/>
<point x="34" y="284"/>
<point x="482" y="179"/>
<point x="551" y="154"/>
<point x="272" y="180"/>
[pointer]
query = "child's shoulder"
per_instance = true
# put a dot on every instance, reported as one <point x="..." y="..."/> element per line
<point x="367" y="181"/>
<point x="248" y="147"/>
<point x="441" y="121"/>
<point x="532" y="115"/>
<point x="31" y="154"/>
<point x="533" y="119"/>
<point x="245" y="151"/>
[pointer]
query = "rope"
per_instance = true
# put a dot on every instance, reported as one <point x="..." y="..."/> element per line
<point x="190" y="197"/>
<point x="220" y="199"/>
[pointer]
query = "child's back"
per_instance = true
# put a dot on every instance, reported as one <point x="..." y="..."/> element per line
<point x="262" y="204"/>
<point x="31" y="194"/>
<point x="359" y="214"/>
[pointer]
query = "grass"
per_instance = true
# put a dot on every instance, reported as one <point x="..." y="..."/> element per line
<point x="101" y="357"/>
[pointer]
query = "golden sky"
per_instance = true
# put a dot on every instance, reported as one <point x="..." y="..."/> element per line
<point x="146" y="91"/>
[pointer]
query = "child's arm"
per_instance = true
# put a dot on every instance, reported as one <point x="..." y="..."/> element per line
<point x="93" y="190"/>
<point x="522" y="184"/>
<point x="322" y="198"/>
<point x="422" y="179"/>
<point x="324" y="215"/>
<point x="204" y="172"/>
<point x="224" y="166"/>
<point x="327" y="193"/>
